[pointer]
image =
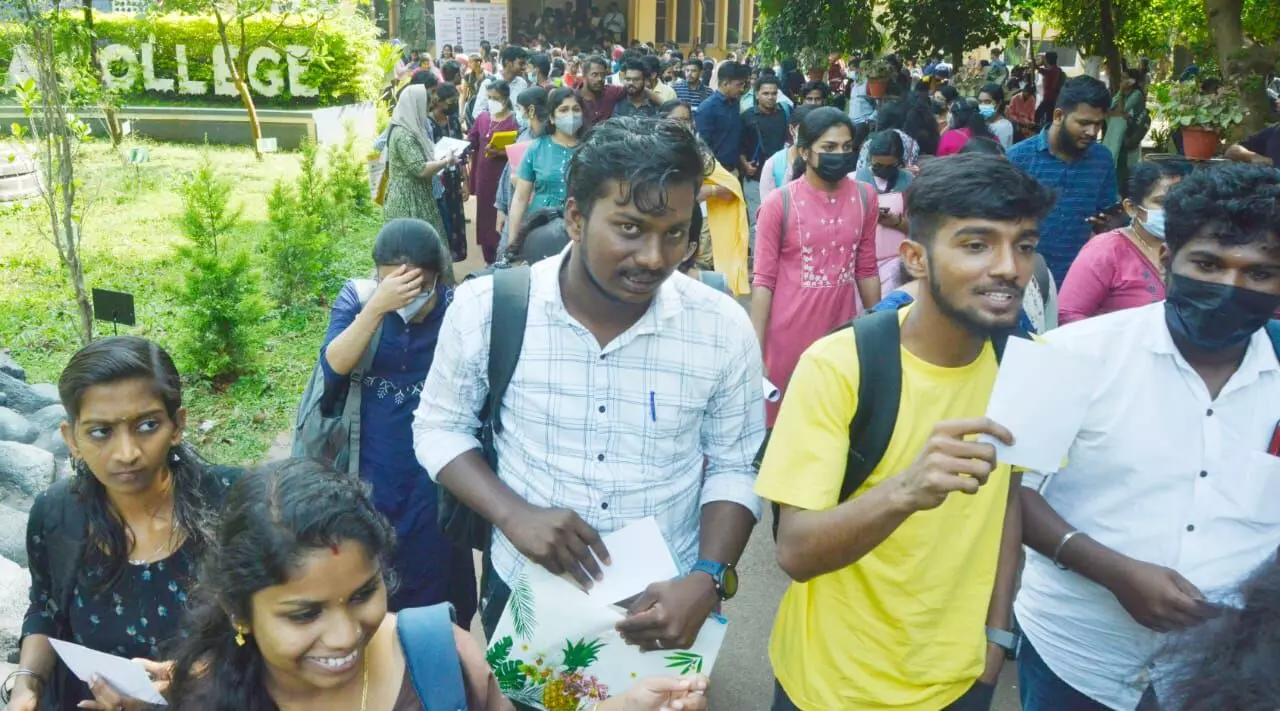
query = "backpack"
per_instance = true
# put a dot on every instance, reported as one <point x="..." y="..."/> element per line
<point x="1136" y="129"/>
<point x="431" y="656"/>
<point x="459" y="523"/>
<point x="879" y="341"/>
<point x="327" y="427"/>
<point x="780" y="167"/>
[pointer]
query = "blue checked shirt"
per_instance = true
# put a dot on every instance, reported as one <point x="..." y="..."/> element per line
<point x="613" y="433"/>
<point x="689" y="95"/>
<point x="1085" y="188"/>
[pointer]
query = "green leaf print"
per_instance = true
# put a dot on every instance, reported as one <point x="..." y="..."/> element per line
<point x="499" y="652"/>
<point x="523" y="616"/>
<point x="509" y="676"/>
<point x="581" y="654"/>
<point x="684" y="662"/>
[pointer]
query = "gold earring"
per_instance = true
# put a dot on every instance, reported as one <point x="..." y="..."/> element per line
<point x="240" y="636"/>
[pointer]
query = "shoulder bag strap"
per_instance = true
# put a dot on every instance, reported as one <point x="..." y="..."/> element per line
<point x="506" y="335"/>
<point x="431" y="656"/>
<point x="1273" y="330"/>
<point x="351" y="409"/>
<point x="879" y="341"/>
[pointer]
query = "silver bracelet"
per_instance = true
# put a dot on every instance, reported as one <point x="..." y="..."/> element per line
<point x="7" y="691"/>
<point x="1063" y="544"/>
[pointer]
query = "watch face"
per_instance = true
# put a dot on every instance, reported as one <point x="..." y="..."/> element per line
<point x="730" y="582"/>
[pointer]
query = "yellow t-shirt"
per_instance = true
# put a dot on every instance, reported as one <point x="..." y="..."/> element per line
<point x="905" y="626"/>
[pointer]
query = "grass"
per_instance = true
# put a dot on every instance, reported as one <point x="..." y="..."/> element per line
<point x="130" y="228"/>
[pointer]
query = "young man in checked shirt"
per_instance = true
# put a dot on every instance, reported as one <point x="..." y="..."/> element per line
<point x="630" y="377"/>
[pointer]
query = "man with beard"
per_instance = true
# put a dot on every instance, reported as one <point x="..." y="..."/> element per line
<point x="903" y="590"/>
<point x="1067" y="158"/>
<point x="637" y="394"/>
<point x="600" y="97"/>
<point x="635" y="79"/>
<point x="718" y="118"/>
<point x="1171" y="491"/>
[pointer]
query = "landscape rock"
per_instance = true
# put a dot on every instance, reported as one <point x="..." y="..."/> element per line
<point x="48" y="390"/>
<point x="4" y="398"/>
<point x="16" y="428"/>
<point x="14" y="584"/>
<point x="47" y="418"/>
<point x="53" y="443"/>
<point x="26" y="468"/>
<point x="10" y="367"/>
<point x="24" y="398"/>
<point x="13" y="535"/>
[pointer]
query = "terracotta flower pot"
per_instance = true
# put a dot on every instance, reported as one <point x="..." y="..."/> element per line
<point x="1199" y="142"/>
<point x="876" y="87"/>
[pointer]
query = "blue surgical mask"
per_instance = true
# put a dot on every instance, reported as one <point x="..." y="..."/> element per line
<point x="1154" y="224"/>
<point x="522" y="120"/>
<point x="988" y="111"/>
<point x="569" y="123"/>
<point x="413" y="308"/>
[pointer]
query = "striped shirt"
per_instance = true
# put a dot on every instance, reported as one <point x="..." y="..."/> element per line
<point x="689" y="95"/>
<point x="613" y="433"/>
<point x="1085" y="187"/>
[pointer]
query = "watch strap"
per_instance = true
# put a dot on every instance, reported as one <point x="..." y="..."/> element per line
<point x="1002" y="638"/>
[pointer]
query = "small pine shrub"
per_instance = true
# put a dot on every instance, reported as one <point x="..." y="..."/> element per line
<point x="297" y="249"/>
<point x="219" y="294"/>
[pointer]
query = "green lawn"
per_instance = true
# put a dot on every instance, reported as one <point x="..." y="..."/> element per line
<point x="130" y="228"/>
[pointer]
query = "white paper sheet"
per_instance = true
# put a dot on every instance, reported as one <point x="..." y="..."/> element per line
<point x="771" y="392"/>
<point x="126" y="677"/>
<point x="447" y="145"/>
<point x="1041" y="395"/>
<point x="639" y="556"/>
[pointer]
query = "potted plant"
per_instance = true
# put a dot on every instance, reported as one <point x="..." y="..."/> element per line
<point x="1201" y="117"/>
<point x="877" y="72"/>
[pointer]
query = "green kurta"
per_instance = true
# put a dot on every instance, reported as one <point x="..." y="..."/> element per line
<point x="408" y="193"/>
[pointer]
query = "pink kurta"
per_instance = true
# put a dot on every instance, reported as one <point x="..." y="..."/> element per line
<point x="1109" y="274"/>
<point x="887" y="242"/>
<point x="830" y="243"/>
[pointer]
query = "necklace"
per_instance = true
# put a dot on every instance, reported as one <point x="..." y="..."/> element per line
<point x="164" y="542"/>
<point x="1151" y="253"/>
<point x="364" y="686"/>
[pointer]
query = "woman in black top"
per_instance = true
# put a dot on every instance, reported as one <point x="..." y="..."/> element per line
<point x="112" y="547"/>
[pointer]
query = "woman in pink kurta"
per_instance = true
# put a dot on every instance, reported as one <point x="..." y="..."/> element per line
<point x="1123" y="268"/>
<point x="487" y="165"/>
<point x="818" y="268"/>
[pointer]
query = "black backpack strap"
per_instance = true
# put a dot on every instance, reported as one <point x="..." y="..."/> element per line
<point x="506" y="335"/>
<point x="879" y="341"/>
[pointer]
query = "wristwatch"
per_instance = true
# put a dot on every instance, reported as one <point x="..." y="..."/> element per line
<point x="1002" y="638"/>
<point x="724" y="575"/>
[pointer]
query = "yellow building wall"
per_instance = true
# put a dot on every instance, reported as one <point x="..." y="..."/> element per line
<point x="642" y="19"/>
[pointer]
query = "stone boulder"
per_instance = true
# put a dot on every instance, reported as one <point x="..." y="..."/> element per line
<point x="47" y="390"/>
<point x="47" y="418"/>
<point x="14" y="585"/>
<point x="25" y="468"/>
<point x="10" y="367"/>
<point x="13" y="535"/>
<point x="16" y="428"/>
<point x="53" y="443"/>
<point x="25" y="398"/>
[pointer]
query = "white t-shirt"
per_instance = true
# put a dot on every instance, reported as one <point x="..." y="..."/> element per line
<point x="1003" y="131"/>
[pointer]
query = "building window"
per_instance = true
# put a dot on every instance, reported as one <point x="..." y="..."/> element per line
<point x="660" y="23"/>
<point x="684" y="20"/>
<point x="733" y="34"/>
<point x="708" y="35"/>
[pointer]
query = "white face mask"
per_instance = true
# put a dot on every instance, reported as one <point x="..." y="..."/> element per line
<point x="1154" y="224"/>
<point x="569" y="123"/>
<point x="496" y="107"/>
<point x="413" y="308"/>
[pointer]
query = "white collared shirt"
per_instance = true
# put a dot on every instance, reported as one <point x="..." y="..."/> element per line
<point x="615" y="433"/>
<point x="1159" y="472"/>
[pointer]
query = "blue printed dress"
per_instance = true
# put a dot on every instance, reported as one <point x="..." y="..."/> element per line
<point x="429" y="568"/>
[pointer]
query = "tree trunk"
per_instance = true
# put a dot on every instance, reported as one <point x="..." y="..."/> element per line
<point x="1107" y="44"/>
<point x="242" y="85"/>
<point x="1226" y="31"/>
<point x="108" y="111"/>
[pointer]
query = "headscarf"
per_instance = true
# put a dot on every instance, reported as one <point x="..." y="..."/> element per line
<point x="410" y="115"/>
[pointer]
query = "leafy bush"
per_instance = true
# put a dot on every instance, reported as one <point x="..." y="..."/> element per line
<point x="312" y="222"/>
<point x="219" y="291"/>
<point x="1183" y="104"/>
<point x="342" y="65"/>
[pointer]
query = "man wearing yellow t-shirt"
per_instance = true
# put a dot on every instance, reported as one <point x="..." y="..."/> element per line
<point x="902" y="593"/>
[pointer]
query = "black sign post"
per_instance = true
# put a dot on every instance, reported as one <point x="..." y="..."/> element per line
<point x="113" y="306"/>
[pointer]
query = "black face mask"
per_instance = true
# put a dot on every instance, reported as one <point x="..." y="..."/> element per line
<point x="834" y="166"/>
<point x="887" y="173"/>
<point x="1212" y="316"/>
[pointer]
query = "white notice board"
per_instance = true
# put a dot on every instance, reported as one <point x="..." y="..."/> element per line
<point x="467" y="24"/>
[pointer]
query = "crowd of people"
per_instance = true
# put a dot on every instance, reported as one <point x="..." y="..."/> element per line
<point x="885" y="247"/>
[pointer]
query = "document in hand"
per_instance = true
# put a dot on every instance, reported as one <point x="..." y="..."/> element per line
<point x="447" y="145"/>
<point x="502" y="139"/>
<point x="126" y="677"/>
<point x="556" y="647"/>
<point x="1041" y="395"/>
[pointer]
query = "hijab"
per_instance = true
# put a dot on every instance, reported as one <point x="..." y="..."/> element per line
<point x="411" y="115"/>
